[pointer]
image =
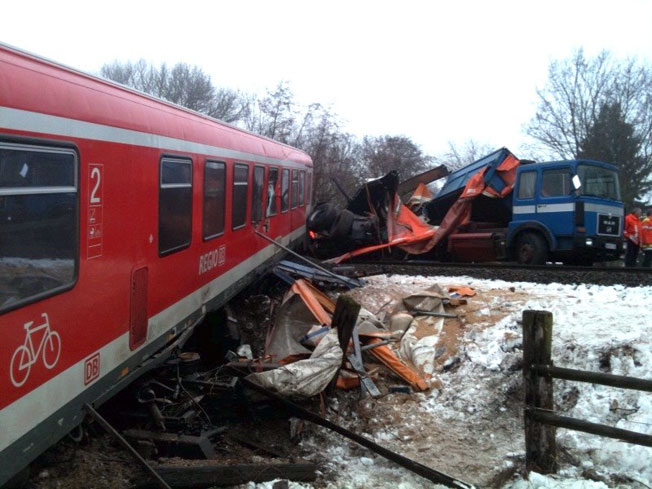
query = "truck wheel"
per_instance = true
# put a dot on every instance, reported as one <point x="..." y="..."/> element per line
<point x="342" y="225"/>
<point x="322" y="217"/>
<point x="531" y="249"/>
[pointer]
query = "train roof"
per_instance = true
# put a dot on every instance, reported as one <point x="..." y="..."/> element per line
<point x="36" y="84"/>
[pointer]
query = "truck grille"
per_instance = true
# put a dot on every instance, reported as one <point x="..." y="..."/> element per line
<point x="608" y="225"/>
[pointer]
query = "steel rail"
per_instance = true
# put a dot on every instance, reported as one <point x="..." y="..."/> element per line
<point x="420" y="469"/>
<point x="499" y="266"/>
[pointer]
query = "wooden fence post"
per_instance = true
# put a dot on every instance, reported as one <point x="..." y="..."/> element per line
<point x="540" y="444"/>
<point x="345" y="318"/>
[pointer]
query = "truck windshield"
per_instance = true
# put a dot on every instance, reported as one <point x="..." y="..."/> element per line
<point x="598" y="182"/>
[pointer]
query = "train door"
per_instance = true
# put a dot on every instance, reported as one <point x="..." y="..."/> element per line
<point x="259" y="220"/>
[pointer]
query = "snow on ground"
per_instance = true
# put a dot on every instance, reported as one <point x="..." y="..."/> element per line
<point x="471" y="428"/>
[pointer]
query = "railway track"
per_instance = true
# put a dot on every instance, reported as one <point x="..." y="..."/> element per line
<point x="545" y="274"/>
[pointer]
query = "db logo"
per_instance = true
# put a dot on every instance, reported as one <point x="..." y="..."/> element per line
<point x="92" y="368"/>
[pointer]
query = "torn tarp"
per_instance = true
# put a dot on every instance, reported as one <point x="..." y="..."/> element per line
<point x="418" y="344"/>
<point x="305" y="378"/>
<point x="303" y="307"/>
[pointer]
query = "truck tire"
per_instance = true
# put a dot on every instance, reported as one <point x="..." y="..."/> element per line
<point x="322" y="217"/>
<point x="342" y="225"/>
<point x="531" y="249"/>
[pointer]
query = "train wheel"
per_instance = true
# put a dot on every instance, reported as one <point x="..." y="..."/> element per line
<point x="51" y="349"/>
<point x="21" y="365"/>
<point x="531" y="249"/>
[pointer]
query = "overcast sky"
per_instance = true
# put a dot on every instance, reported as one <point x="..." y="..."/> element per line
<point x="432" y="71"/>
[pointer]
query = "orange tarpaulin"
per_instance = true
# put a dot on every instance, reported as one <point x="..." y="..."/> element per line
<point x="318" y="303"/>
<point x="388" y="358"/>
<point x="462" y="290"/>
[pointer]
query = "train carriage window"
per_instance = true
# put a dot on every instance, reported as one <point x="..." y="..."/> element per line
<point x="39" y="216"/>
<point x="302" y="187"/>
<point x="175" y="205"/>
<point x="214" y="196"/>
<point x="257" y="194"/>
<point x="272" y="180"/>
<point x="239" y="201"/>
<point x="285" y="190"/>
<point x="295" y="188"/>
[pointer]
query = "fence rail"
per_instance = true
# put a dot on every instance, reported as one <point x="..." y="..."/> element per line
<point x="540" y="418"/>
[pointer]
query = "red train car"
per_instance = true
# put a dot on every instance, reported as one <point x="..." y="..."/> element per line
<point x="123" y="220"/>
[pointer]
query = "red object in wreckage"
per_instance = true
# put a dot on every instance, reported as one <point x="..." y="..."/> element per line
<point x="123" y="219"/>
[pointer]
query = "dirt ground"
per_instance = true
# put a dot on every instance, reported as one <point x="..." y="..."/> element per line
<point x="482" y="443"/>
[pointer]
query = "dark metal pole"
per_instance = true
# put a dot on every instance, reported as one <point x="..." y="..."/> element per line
<point x="294" y="253"/>
<point x="420" y="469"/>
<point x="435" y="314"/>
<point x="341" y="189"/>
<point x="105" y="424"/>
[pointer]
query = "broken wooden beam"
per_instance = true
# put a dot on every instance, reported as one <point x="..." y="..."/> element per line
<point x="185" y="446"/>
<point x="210" y="475"/>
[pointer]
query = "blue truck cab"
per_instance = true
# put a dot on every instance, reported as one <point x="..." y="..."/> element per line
<point x="567" y="211"/>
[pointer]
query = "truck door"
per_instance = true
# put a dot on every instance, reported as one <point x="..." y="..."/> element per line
<point x="524" y="205"/>
<point x="555" y="202"/>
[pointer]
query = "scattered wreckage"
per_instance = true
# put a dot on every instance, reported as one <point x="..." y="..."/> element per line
<point x="178" y="421"/>
<point x="496" y="208"/>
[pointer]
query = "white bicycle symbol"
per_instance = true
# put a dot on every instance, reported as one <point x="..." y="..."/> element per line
<point x="25" y="356"/>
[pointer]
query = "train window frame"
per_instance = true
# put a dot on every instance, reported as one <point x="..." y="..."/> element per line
<point x="58" y="147"/>
<point x="272" y="196"/>
<point x="309" y="188"/>
<point x="223" y="207"/>
<point x="294" y="189"/>
<point x="261" y="194"/>
<point x="233" y="195"/>
<point x="302" y="188"/>
<point x="285" y="182"/>
<point x="175" y="159"/>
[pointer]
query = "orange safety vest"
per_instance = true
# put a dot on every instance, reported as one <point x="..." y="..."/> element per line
<point x="646" y="233"/>
<point x="633" y="228"/>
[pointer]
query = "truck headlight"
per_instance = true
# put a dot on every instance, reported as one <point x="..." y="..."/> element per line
<point x="589" y="242"/>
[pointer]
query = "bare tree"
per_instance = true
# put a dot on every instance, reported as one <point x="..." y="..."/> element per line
<point x="380" y="155"/>
<point x="576" y="90"/>
<point x="230" y="106"/>
<point x="184" y="85"/>
<point x="573" y="109"/>
<point x="458" y="156"/>
<point x="275" y="114"/>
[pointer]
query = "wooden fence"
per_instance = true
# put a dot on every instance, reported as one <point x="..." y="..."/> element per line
<point x="540" y="419"/>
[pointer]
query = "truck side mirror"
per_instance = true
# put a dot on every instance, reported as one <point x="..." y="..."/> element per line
<point x="577" y="183"/>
